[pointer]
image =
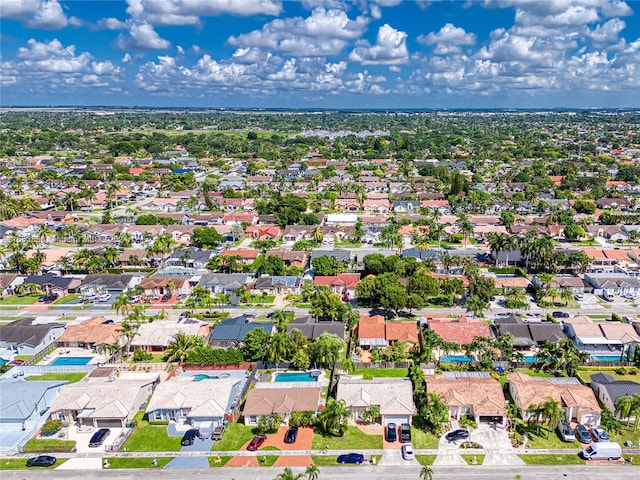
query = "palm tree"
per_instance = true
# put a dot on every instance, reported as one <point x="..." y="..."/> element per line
<point x="181" y="347"/>
<point x="279" y="348"/>
<point x="333" y="418"/>
<point x="623" y="408"/>
<point x="552" y="413"/>
<point x="287" y="474"/>
<point x="122" y="304"/>
<point x="129" y="330"/>
<point x="426" y="472"/>
<point x="42" y="233"/>
<point x="312" y="472"/>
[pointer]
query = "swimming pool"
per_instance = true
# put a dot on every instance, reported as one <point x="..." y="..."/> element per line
<point x="605" y="358"/>
<point x="71" y="361"/>
<point x="201" y="376"/>
<point x="455" y="358"/>
<point x="297" y="377"/>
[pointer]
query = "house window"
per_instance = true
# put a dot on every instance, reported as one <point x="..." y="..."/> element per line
<point x="253" y="420"/>
<point x="157" y="415"/>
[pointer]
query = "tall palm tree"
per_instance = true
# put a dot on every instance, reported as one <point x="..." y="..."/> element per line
<point x="333" y="418"/>
<point x="122" y="304"/>
<point x="42" y="233"/>
<point x="287" y="474"/>
<point x="552" y="413"/>
<point x="623" y="408"/>
<point x="312" y="472"/>
<point x="181" y="347"/>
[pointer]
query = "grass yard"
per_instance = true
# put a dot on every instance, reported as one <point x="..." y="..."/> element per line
<point x="150" y="438"/>
<point x="234" y="438"/>
<point x="267" y="460"/>
<point x="18" y="300"/>
<point x="422" y="439"/>
<point x="71" y="377"/>
<point x="353" y="439"/>
<point x="219" y="461"/>
<point x="426" y="459"/>
<point x="559" y="459"/>
<point x="122" y="462"/>
<point x="585" y="373"/>
<point x="540" y="440"/>
<point x="261" y="299"/>
<point x="36" y="445"/>
<point x="20" y="464"/>
<point x="67" y="299"/>
<point x="473" y="459"/>
<point x="369" y="373"/>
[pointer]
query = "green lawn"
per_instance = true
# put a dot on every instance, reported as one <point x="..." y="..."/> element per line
<point x="540" y="440"/>
<point x="71" y="377"/>
<point x="267" y="460"/>
<point x="67" y="299"/>
<point x="426" y="459"/>
<point x="473" y="459"/>
<point x="18" y="300"/>
<point x="122" y="462"/>
<point x="261" y="299"/>
<point x="585" y="374"/>
<point x="559" y="459"/>
<point x="219" y="461"/>
<point x="24" y="358"/>
<point x="151" y="438"/>
<point x="369" y="373"/>
<point x="48" y="445"/>
<point x="353" y="438"/>
<point x="235" y="437"/>
<point x="422" y="439"/>
<point x="20" y="464"/>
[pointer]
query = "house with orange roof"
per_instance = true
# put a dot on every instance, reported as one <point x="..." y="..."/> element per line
<point x="246" y="255"/>
<point x="476" y="395"/>
<point x="91" y="333"/>
<point x="341" y="284"/>
<point x="263" y="232"/>
<point x="371" y="331"/>
<point x="556" y="179"/>
<point x="459" y="331"/>
<point x="406" y="332"/>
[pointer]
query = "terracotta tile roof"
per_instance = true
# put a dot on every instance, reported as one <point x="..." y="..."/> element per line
<point x="265" y="401"/>
<point x="462" y="331"/>
<point x="92" y="332"/>
<point x="371" y="326"/>
<point x="483" y="394"/>
<point x="348" y="280"/>
<point x="402" y="332"/>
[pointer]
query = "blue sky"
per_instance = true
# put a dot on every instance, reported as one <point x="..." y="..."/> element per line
<point x="321" y="54"/>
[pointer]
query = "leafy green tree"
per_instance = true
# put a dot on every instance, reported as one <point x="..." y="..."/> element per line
<point x="333" y="419"/>
<point x="325" y="266"/>
<point x="392" y="296"/>
<point x="206" y="237"/>
<point x="326" y="349"/>
<point x="273" y="265"/>
<point x="327" y="306"/>
<point x="181" y="347"/>
<point x="481" y="287"/>
<point x="255" y="345"/>
<point x="301" y="360"/>
<point x="312" y="472"/>
<point x="422" y="284"/>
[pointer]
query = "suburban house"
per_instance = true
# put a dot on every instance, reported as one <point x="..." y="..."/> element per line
<point x="104" y="399"/>
<point x="91" y="333"/>
<point x="53" y="284"/>
<point x="290" y="258"/>
<point x="231" y="331"/>
<point x="528" y="334"/>
<point x="8" y="283"/>
<point x="609" y="390"/>
<point x="599" y="338"/>
<point x="277" y="285"/>
<point x="263" y="400"/>
<point x="460" y="331"/>
<point x="226" y="283"/>
<point x="616" y="283"/>
<point x="312" y="329"/>
<point x="22" y="405"/>
<point x="109" y="282"/>
<point x="342" y="284"/>
<point x="25" y="337"/>
<point x="155" y="337"/>
<point x="199" y="403"/>
<point x="157" y="286"/>
<point x="476" y="395"/>
<point x="189" y="257"/>
<point x="393" y="396"/>
<point x="577" y="400"/>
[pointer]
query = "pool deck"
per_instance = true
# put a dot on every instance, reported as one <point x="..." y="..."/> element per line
<point x="70" y="353"/>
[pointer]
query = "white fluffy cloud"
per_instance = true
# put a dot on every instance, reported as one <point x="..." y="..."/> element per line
<point x="41" y="14"/>
<point x="187" y="12"/>
<point x="141" y="36"/>
<point x="54" y="64"/>
<point x="448" y="39"/>
<point x="323" y="33"/>
<point x="390" y="48"/>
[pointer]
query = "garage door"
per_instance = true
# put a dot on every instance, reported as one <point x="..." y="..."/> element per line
<point x="491" y="419"/>
<point x="108" y="423"/>
<point x="398" y="419"/>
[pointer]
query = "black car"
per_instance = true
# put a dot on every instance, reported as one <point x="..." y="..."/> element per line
<point x="457" y="435"/>
<point x="560" y="315"/>
<point x="405" y="433"/>
<point x="41" y="461"/>
<point x="582" y="434"/>
<point x="392" y="432"/>
<point x="99" y="437"/>
<point x="351" y="458"/>
<point x="166" y="297"/>
<point x="189" y="437"/>
<point x="290" y="436"/>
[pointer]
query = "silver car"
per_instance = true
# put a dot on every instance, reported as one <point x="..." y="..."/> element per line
<point x="407" y="451"/>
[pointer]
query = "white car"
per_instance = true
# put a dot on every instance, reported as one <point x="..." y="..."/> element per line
<point x="407" y="451"/>
<point x="104" y="297"/>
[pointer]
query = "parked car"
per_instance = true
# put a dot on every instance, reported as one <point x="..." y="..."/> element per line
<point x="256" y="442"/>
<point x="392" y="432"/>
<point x="218" y="432"/>
<point x="189" y="437"/>
<point x="560" y="315"/>
<point x="599" y="435"/>
<point x="99" y="437"/>
<point x="566" y="433"/>
<point x="165" y="297"/>
<point x="602" y="451"/>
<point x="405" y="433"/>
<point x="457" y="435"/>
<point x="351" y="458"/>
<point x="582" y="434"/>
<point x="407" y="451"/>
<point x="104" y="297"/>
<point x="579" y="297"/>
<point x="41" y="461"/>
<point x="608" y="297"/>
<point x="291" y="435"/>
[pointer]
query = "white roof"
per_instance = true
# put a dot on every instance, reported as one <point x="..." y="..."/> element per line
<point x="394" y="396"/>
<point x="161" y="333"/>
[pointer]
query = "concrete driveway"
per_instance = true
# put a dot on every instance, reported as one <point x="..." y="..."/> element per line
<point x="449" y="453"/>
<point x="496" y="444"/>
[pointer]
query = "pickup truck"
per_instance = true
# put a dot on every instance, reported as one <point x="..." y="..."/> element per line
<point x="218" y="432"/>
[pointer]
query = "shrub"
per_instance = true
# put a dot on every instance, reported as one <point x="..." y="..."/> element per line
<point x="142" y="356"/>
<point x="51" y="427"/>
<point x="468" y="423"/>
<point x="616" y="318"/>
<point x="620" y="370"/>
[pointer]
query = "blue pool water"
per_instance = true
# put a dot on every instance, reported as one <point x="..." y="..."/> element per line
<point x="606" y="358"/>
<point x="296" y="377"/>
<point x="455" y="358"/>
<point x="71" y="361"/>
<point x="530" y="359"/>
<point x="201" y="376"/>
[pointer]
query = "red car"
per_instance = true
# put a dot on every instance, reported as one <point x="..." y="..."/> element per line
<point x="256" y="442"/>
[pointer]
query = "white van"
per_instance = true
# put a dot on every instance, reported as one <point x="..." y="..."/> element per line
<point x="602" y="451"/>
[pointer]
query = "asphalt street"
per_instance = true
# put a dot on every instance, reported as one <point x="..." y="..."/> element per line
<point x="568" y="472"/>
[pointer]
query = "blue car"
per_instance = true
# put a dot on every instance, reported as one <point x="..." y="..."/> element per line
<point x="351" y="458"/>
